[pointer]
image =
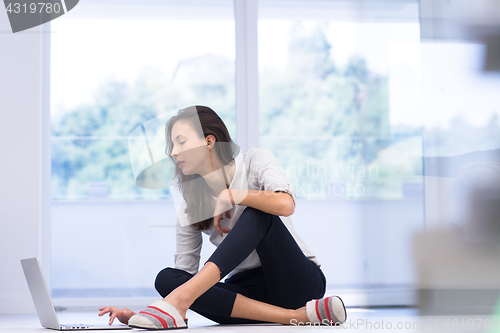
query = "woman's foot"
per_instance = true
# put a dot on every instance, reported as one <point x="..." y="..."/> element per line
<point x="160" y="315"/>
<point x="329" y="310"/>
<point x="299" y="316"/>
<point x="180" y="303"/>
<point x="183" y="296"/>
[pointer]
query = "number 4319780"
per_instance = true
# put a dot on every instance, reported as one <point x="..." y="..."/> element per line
<point x="39" y="7"/>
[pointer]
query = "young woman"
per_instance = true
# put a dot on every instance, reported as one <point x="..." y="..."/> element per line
<point x="272" y="276"/>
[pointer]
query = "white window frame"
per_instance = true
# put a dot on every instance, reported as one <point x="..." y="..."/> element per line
<point x="247" y="78"/>
<point x="45" y="154"/>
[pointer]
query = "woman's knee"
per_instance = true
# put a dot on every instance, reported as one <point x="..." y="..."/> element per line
<point x="252" y="211"/>
<point x="170" y="278"/>
<point x="253" y="214"/>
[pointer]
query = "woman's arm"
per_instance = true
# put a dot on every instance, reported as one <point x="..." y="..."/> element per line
<point x="188" y="246"/>
<point x="276" y="203"/>
<point x="274" y="195"/>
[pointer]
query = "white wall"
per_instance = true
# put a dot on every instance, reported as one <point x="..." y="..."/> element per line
<point x="19" y="167"/>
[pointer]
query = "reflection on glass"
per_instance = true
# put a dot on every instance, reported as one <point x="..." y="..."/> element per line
<point x="91" y="124"/>
<point x="343" y="132"/>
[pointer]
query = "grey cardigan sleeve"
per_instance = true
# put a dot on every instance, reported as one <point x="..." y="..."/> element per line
<point x="188" y="248"/>
<point x="265" y="171"/>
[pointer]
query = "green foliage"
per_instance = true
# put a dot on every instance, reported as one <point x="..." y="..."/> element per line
<point x="318" y="115"/>
<point x="89" y="143"/>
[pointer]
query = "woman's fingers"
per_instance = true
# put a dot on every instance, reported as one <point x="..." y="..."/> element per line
<point x="113" y="312"/>
<point x="113" y="316"/>
<point x="104" y="310"/>
<point x="217" y="224"/>
<point x="221" y="230"/>
<point x="228" y="215"/>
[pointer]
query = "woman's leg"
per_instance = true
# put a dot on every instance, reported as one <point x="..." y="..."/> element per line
<point x="245" y="283"/>
<point x="242" y="307"/>
<point x="291" y="279"/>
<point x="287" y="263"/>
<point x="287" y="269"/>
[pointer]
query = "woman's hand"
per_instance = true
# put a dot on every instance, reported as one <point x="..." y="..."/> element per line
<point x="222" y="206"/>
<point x="123" y="315"/>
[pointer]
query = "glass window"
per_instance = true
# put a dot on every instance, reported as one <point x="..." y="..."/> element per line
<point x="113" y="67"/>
<point x="461" y="127"/>
<point x="339" y="89"/>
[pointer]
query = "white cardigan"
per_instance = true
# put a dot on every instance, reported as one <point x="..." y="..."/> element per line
<point x="255" y="170"/>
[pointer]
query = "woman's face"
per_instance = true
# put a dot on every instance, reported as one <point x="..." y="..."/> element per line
<point x="189" y="151"/>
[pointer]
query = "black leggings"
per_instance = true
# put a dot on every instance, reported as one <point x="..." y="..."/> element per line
<point x="287" y="277"/>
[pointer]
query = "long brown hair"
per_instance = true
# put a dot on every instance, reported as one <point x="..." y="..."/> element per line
<point x="199" y="198"/>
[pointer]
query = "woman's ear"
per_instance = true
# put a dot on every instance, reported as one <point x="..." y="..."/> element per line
<point x="210" y="140"/>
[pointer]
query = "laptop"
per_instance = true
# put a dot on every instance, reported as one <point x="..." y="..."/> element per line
<point x="43" y="302"/>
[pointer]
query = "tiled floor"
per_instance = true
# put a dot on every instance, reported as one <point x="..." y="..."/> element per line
<point x="359" y="320"/>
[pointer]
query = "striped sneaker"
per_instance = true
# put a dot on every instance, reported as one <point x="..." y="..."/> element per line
<point x="160" y="315"/>
<point x="328" y="311"/>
